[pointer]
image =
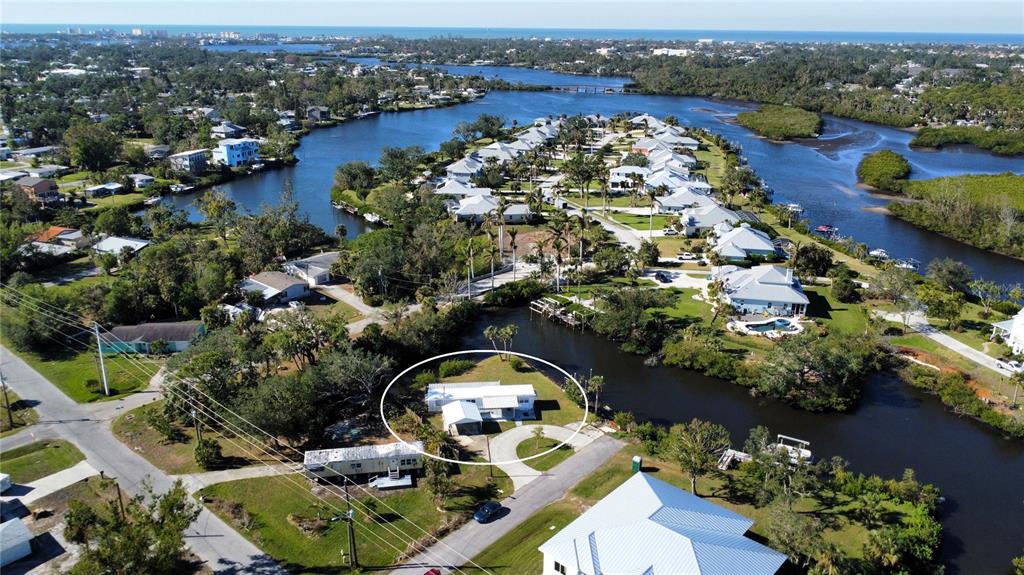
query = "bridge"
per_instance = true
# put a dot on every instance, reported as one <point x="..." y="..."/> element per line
<point x="592" y="89"/>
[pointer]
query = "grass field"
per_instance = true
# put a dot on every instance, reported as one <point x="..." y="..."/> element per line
<point x="36" y="460"/>
<point x="268" y="511"/>
<point x="126" y="200"/>
<point x="178" y="457"/>
<point x="516" y="552"/>
<point x="532" y="447"/>
<point x="21" y="412"/>
<point x="849" y="317"/>
<point x="640" y="222"/>
<point x="324" y="305"/>
<point x="686" y="308"/>
<point x="551" y="402"/>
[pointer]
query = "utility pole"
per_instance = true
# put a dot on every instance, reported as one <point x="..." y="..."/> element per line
<point x="490" y="468"/>
<point x="469" y="271"/>
<point x="199" y="428"/>
<point x="7" y="402"/>
<point x="99" y="349"/>
<point x="353" y="560"/>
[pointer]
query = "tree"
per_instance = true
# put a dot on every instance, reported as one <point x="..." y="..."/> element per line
<point x="885" y="170"/>
<point x="941" y="304"/>
<point x="399" y="163"/>
<point x="795" y="534"/>
<point x="697" y="446"/>
<point x="648" y="252"/>
<point x="92" y="146"/>
<point x="988" y="293"/>
<point x="895" y="283"/>
<point x="438" y="482"/>
<point x="594" y="385"/>
<point x="359" y="177"/>
<point x="453" y="148"/>
<point x="219" y="210"/>
<point x="953" y="275"/>
<point x="147" y="538"/>
<point x="208" y="453"/>
<point x="538" y="433"/>
<point x="812" y="260"/>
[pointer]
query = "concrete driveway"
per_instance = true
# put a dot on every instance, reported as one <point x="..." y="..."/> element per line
<point x="680" y="279"/>
<point x="503" y="448"/>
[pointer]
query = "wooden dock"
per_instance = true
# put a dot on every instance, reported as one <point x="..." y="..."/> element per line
<point x="554" y="310"/>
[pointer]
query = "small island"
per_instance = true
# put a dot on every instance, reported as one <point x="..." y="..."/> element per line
<point x="883" y="170"/>
<point x="781" y="122"/>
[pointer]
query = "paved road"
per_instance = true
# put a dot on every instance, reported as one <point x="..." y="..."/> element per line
<point x="472" y="538"/>
<point x="88" y="427"/>
<point x="919" y="323"/>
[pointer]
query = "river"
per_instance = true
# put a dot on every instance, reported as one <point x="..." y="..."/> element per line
<point x="893" y="427"/>
<point x="819" y="176"/>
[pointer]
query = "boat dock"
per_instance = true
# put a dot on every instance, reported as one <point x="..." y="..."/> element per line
<point x="553" y="309"/>
<point x="797" y="449"/>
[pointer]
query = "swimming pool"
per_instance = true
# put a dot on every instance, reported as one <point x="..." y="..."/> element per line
<point x="778" y="324"/>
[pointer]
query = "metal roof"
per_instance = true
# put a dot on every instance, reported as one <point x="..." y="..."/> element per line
<point x="362" y="453"/>
<point x="649" y="526"/>
<point x="477" y="390"/>
<point x="458" y="412"/>
<point x="13" y="533"/>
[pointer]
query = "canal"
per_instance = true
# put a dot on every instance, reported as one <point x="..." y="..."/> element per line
<point x="894" y="427"/>
<point x="820" y="176"/>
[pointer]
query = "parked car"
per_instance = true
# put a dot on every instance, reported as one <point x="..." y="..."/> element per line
<point x="434" y="571"/>
<point x="663" y="277"/>
<point x="487" y="511"/>
<point x="688" y="257"/>
<point x="1010" y="365"/>
<point x="670" y="232"/>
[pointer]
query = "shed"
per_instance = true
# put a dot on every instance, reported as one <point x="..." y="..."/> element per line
<point x="15" y="542"/>
<point x="461" y="418"/>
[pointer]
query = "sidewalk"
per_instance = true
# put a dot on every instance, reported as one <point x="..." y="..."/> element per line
<point x="42" y="487"/>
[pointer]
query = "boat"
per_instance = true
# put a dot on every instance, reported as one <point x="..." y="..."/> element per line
<point x="826" y="229"/>
<point x="879" y="253"/>
<point x="152" y="201"/>
<point x="795" y="208"/>
<point x="256" y="167"/>
<point x="372" y="218"/>
<point x="908" y="264"/>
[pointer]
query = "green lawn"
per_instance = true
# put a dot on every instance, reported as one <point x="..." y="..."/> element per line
<point x="714" y="159"/>
<point x="178" y="457"/>
<point x="849" y="317"/>
<point x="268" y="508"/>
<point x="554" y="407"/>
<point x="532" y="447"/>
<point x="21" y="412"/>
<point x="324" y="305"/>
<point x="640" y="222"/>
<point x="670" y="246"/>
<point x="516" y="552"/>
<point x="73" y="177"/>
<point x="127" y="200"/>
<point x="618" y="200"/>
<point x="587" y="291"/>
<point x="77" y="373"/>
<point x="36" y="460"/>
<point x="687" y="308"/>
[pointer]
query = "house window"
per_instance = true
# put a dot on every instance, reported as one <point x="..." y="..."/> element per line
<point x="559" y="567"/>
<point x="357" y="466"/>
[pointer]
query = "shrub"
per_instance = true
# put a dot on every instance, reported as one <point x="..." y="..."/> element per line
<point x="208" y="453"/>
<point x="423" y="379"/>
<point x="515" y="293"/>
<point x="624" y="421"/>
<point x="453" y="367"/>
<point x="518" y="364"/>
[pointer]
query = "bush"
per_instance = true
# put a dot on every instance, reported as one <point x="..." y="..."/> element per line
<point x="515" y="293"/>
<point x="884" y="170"/>
<point x="208" y="453"/>
<point x="519" y="365"/>
<point x="423" y="379"/>
<point x="453" y="367"/>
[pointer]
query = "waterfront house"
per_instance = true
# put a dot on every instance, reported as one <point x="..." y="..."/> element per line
<point x="647" y="526"/>
<point x="701" y="219"/>
<point x="140" y="181"/>
<point x="465" y="169"/>
<point x="235" y="152"/>
<point x="500" y="151"/>
<point x="646" y="146"/>
<point x="40" y="190"/>
<point x="227" y="129"/>
<point x="646" y="121"/>
<point x="476" y="209"/>
<point x="742" y="242"/>
<point x="192" y="161"/>
<point x="493" y="400"/>
<point x="1012" y="332"/>
<point x="103" y="190"/>
<point x="666" y="178"/>
<point x="316" y="270"/>
<point x="457" y="189"/>
<point x="386" y="459"/>
<point x="318" y="113"/>
<point x="157" y="337"/>
<point x="118" y="245"/>
<point x="276" y="287"/>
<point x="764" y="289"/>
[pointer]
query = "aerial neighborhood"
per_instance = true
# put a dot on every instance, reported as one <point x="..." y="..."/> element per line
<point x="315" y="299"/>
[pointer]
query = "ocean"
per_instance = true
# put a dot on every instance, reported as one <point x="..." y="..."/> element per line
<point x="553" y="33"/>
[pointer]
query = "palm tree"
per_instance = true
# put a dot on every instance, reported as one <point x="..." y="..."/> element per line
<point x="558" y="245"/>
<point x="512" y="233"/>
<point x="492" y="254"/>
<point x="581" y="228"/>
<point x="651" y="195"/>
<point x="602" y="181"/>
<point x="539" y="247"/>
<point x="637" y="180"/>
<point x="500" y="213"/>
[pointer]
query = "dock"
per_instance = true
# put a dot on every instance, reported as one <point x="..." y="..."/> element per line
<point x="555" y="310"/>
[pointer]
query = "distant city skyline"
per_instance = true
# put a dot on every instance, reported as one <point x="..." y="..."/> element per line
<point x="919" y="16"/>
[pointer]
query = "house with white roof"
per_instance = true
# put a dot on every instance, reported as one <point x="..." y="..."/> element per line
<point x="465" y="169"/>
<point x="492" y="400"/>
<point x="389" y="459"/>
<point x="621" y="177"/>
<point x="117" y="245"/>
<point x="458" y="189"/>
<point x="227" y="129"/>
<point x="1012" y="332"/>
<point x="647" y="121"/>
<point x="700" y="219"/>
<point x="276" y="287"/>
<point x="101" y="190"/>
<point x="681" y="200"/>
<point x="742" y="242"/>
<point x="645" y="146"/>
<point x="764" y="289"/>
<point x="237" y="151"/>
<point x="15" y="541"/>
<point x="476" y="209"/>
<point x="665" y="178"/>
<point x="649" y="527"/>
<point x="316" y="270"/>
<point x="500" y="151"/>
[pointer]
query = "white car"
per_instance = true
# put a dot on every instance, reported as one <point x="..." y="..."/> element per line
<point x="688" y="257"/>
<point x="1010" y="365"/>
<point x="670" y="232"/>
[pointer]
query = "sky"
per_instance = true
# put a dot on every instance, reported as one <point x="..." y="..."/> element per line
<point x="965" y="16"/>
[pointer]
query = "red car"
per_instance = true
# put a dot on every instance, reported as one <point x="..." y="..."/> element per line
<point x="434" y="571"/>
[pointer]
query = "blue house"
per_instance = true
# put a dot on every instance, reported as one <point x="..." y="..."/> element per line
<point x="237" y="152"/>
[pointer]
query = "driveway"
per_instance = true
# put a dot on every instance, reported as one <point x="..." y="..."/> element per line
<point x="919" y="323"/>
<point x="503" y="448"/>
<point x="472" y="538"/>
<point x="88" y="427"/>
<point x="680" y="279"/>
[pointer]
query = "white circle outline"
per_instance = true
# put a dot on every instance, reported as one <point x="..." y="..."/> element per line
<point x="384" y="394"/>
